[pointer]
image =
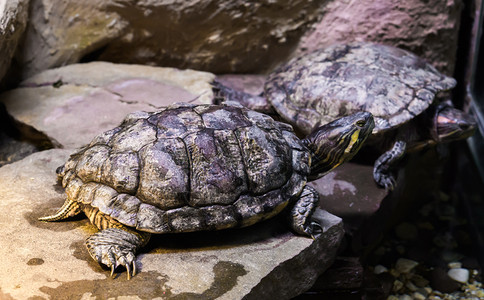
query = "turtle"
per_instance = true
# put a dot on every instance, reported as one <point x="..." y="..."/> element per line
<point x="400" y="89"/>
<point x="189" y="168"/>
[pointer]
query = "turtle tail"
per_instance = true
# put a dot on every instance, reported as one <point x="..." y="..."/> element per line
<point x="69" y="209"/>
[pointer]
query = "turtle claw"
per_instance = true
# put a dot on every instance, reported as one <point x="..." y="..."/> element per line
<point x="114" y="247"/>
<point x="315" y="230"/>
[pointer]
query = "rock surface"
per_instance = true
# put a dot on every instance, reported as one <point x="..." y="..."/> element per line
<point x="429" y="28"/>
<point x="72" y="104"/>
<point x="216" y="36"/>
<point x="13" y="20"/>
<point x="49" y="260"/>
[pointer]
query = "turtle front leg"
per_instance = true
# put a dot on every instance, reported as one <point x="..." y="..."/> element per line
<point x="301" y="214"/>
<point x="115" y="247"/>
<point x="386" y="163"/>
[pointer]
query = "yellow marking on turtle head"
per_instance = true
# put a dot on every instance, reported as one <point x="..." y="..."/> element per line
<point x="354" y="138"/>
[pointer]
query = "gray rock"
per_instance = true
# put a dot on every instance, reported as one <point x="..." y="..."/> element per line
<point x="428" y="28"/>
<point x="217" y="36"/>
<point x="459" y="274"/>
<point x="49" y="260"/>
<point x="404" y="265"/>
<point x="13" y="20"/>
<point x="72" y="104"/>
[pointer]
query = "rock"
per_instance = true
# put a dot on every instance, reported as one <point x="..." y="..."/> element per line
<point x="440" y="281"/>
<point x="13" y="20"/>
<point x="379" y="269"/>
<point x="346" y="274"/>
<point x="418" y="296"/>
<point x="459" y="274"/>
<point x="183" y="34"/>
<point x="72" y="104"/>
<point x="454" y="265"/>
<point x="249" y="83"/>
<point x="49" y="260"/>
<point x="427" y="27"/>
<point x="404" y="265"/>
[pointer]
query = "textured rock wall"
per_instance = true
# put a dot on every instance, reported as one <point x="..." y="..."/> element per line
<point x="13" y="19"/>
<point x="428" y="28"/>
<point x="218" y="36"/>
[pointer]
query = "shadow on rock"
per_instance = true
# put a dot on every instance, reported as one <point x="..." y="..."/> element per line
<point x="146" y="285"/>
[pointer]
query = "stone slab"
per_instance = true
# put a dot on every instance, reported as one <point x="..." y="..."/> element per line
<point x="50" y="261"/>
<point x="72" y="104"/>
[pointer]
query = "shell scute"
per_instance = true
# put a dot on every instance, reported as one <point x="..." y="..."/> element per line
<point x="152" y="219"/>
<point x="133" y="137"/>
<point x="120" y="171"/>
<point x="217" y="168"/>
<point x="164" y="177"/>
<point x="90" y="163"/>
<point x="176" y="122"/>
<point x="266" y="158"/>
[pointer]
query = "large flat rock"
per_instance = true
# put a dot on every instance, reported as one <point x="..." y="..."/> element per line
<point x="50" y="261"/>
<point x="73" y="104"/>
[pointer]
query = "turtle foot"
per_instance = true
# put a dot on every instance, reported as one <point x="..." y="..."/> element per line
<point x="302" y="211"/>
<point x="382" y="171"/>
<point x="115" y="247"/>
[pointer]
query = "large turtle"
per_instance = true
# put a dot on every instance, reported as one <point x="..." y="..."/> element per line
<point x="199" y="167"/>
<point x="396" y="86"/>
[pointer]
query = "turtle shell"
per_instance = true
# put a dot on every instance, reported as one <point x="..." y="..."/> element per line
<point x="188" y="168"/>
<point x="393" y="84"/>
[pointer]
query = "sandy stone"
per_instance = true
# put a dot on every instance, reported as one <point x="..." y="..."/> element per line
<point x="72" y="104"/>
<point x="49" y="260"/>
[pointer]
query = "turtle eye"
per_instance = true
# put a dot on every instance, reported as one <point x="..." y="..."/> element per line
<point x="360" y="123"/>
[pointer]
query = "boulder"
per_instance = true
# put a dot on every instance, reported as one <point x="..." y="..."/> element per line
<point x="215" y="36"/>
<point x="13" y="20"/>
<point x="50" y="260"/>
<point x="429" y="28"/>
<point x="68" y="106"/>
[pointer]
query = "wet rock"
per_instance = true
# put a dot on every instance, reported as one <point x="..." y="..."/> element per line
<point x="459" y="274"/>
<point x="345" y="274"/>
<point x="13" y="20"/>
<point x="183" y="34"/>
<point x="49" y="260"/>
<point x="379" y="269"/>
<point x="350" y="192"/>
<point x="428" y="28"/>
<point x="404" y="265"/>
<point x="72" y="104"/>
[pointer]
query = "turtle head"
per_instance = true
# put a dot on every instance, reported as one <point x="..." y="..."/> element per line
<point x="451" y="124"/>
<point x="337" y="142"/>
